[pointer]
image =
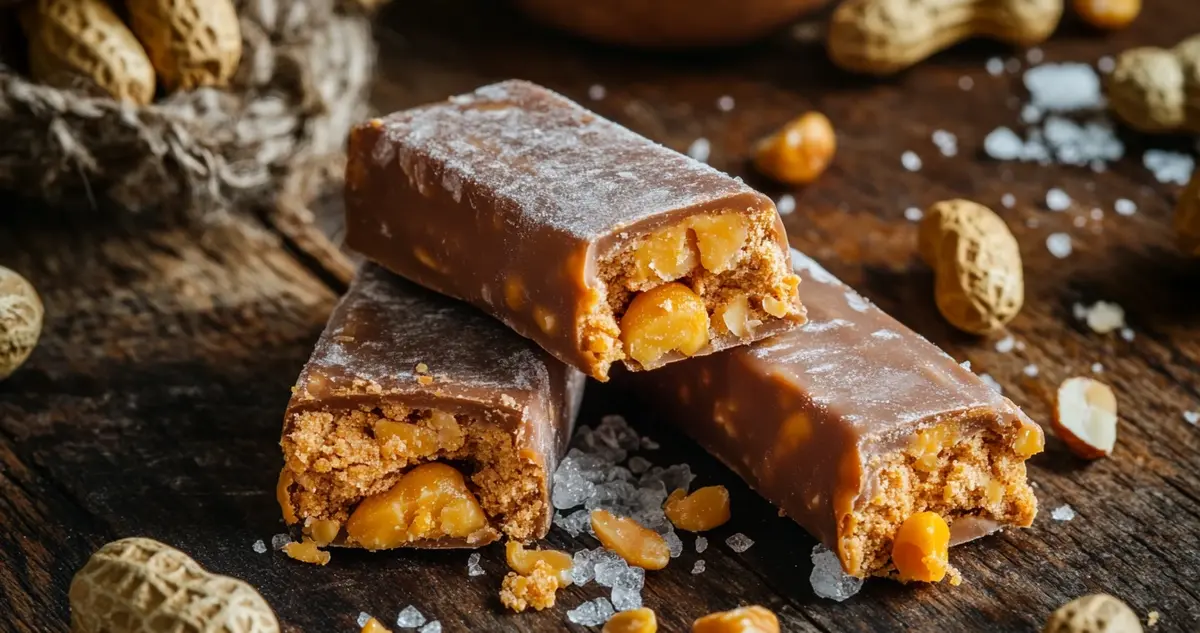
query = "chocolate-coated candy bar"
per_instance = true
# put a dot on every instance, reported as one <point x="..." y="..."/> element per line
<point x="421" y="422"/>
<point x="853" y="423"/>
<point x="593" y="241"/>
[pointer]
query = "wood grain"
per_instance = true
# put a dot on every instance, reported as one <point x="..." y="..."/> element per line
<point x="152" y="405"/>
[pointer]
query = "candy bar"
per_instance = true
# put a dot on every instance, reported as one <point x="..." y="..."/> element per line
<point x="593" y="241"/>
<point x="854" y="423"/>
<point x="420" y="422"/>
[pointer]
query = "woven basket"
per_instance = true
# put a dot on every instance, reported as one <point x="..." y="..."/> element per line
<point x="302" y="82"/>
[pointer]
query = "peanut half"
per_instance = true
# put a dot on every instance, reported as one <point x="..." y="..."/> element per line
<point x="138" y="584"/>
<point x="798" y="152"/>
<point x="21" y="315"/>
<point x="881" y="37"/>
<point x="980" y="285"/>
<point x="1158" y="89"/>
<point x="191" y="43"/>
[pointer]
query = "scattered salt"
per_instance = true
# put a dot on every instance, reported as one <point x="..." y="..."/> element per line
<point x="700" y="149"/>
<point x="584" y="563"/>
<point x="1059" y="244"/>
<point x="1006" y="344"/>
<point x="639" y="464"/>
<point x="966" y="364"/>
<point x="701" y="544"/>
<point x="945" y="141"/>
<point x="1097" y="214"/>
<point x="1057" y="200"/>
<point x="1097" y="368"/>
<point x="1063" y="513"/>
<point x="739" y="542"/>
<point x="473" y="566"/>
<point x="626" y="599"/>
<point x="1127" y="334"/>
<point x="1169" y="167"/>
<point x="649" y="444"/>
<point x="725" y="103"/>
<point x="1079" y="221"/>
<point x="1064" y="87"/>
<point x="575" y="523"/>
<point x="991" y="382"/>
<point x="1030" y="370"/>
<point x="1124" y="206"/>
<point x="698" y="567"/>
<point x="674" y="544"/>
<point x="1012" y="65"/>
<point x="786" y="204"/>
<point x="828" y="579"/>
<point x="432" y="627"/>
<point x="1191" y="417"/>
<point x="913" y="214"/>
<point x="910" y="161"/>
<point x="995" y="66"/>
<point x="1031" y="114"/>
<point x="279" y="540"/>
<point x="363" y="618"/>
<point x="1106" y="64"/>
<point x="259" y="547"/>
<point x="1003" y="144"/>
<point x="966" y="83"/>
<point x="1034" y="55"/>
<point x="410" y="618"/>
<point x="1102" y="317"/>
<point x="596" y="92"/>
<point x="1008" y="200"/>
<point x="591" y="613"/>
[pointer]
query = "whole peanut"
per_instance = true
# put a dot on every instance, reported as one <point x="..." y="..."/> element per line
<point x="1108" y="14"/>
<point x="191" y="43"/>
<point x="138" y="585"/>
<point x="798" y="152"/>
<point x="1097" y="613"/>
<point x="979" y="283"/>
<point x="1187" y="217"/>
<point x="880" y="37"/>
<point x="1158" y="89"/>
<point x="20" y="321"/>
<point x="84" y="38"/>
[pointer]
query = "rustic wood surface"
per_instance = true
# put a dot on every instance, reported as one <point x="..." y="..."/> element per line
<point x="152" y="406"/>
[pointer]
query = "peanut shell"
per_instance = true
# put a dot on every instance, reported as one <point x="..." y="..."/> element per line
<point x="1097" y="613"/>
<point x="192" y="43"/>
<point x="20" y="321"/>
<point x="1157" y="90"/>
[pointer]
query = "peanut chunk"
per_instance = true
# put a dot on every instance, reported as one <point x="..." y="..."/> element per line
<point x="700" y="511"/>
<point x="518" y="592"/>
<point x="735" y="314"/>
<point x="800" y="151"/>
<point x="1029" y="442"/>
<point x="306" y="551"/>
<point x="665" y="255"/>
<point x="284" y="497"/>
<point x="668" y="318"/>
<point x="775" y="307"/>
<point x="719" y="239"/>
<point x="921" y="549"/>
<point x="639" y="546"/>
<point x="323" y="531"/>
<point x="523" y="561"/>
<point x="751" y="619"/>
<point x="926" y="445"/>
<point x="440" y="432"/>
<point x="373" y="626"/>
<point x="430" y="501"/>
<point x="636" y="621"/>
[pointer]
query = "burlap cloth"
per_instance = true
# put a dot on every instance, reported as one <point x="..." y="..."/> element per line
<point x="264" y="142"/>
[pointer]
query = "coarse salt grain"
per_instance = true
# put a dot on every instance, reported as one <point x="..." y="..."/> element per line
<point x="1006" y="344"/>
<point x="1030" y="370"/>
<point x="596" y="92"/>
<point x="739" y="542"/>
<point x="946" y="142"/>
<point x="279" y="540"/>
<point x="786" y="204"/>
<point x="1169" y="167"/>
<point x="991" y="382"/>
<point x="432" y="627"/>
<point x="591" y="613"/>
<point x="1106" y="64"/>
<point x="1103" y="317"/>
<point x="698" y="567"/>
<point x="1124" y="206"/>
<point x="910" y="161"/>
<point x="1191" y="417"/>
<point x="966" y="364"/>
<point x="1008" y="201"/>
<point x="1066" y="87"/>
<point x="1097" y="368"/>
<point x="363" y="618"/>
<point x="473" y="566"/>
<point x="649" y="444"/>
<point x="828" y="579"/>
<point x="700" y="149"/>
<point x="1127" y="334"/>
<point x="1059" y="244"/>
<point x="259" y="547"/>
<point x="409" y="618"/>
<point x="1063" y="513"/>
<point x="701" y="544"/>
<point x="725" y="103"/>
<point x="913" y="214"/>
<point x="995" y="66"/>
<point x="1057" y="200"/>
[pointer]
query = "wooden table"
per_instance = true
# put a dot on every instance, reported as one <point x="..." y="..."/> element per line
<point x="153" y="404"/>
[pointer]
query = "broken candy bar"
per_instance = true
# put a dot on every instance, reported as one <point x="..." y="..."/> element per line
<point x="853" y="423"/>
<point x="596" y="243"/>
<point x="420" y="422"/>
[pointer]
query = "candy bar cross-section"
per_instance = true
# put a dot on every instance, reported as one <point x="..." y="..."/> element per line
<point x="854" y="423"/>
<point x="595" y="242"/>
<point x="420" y="422"/>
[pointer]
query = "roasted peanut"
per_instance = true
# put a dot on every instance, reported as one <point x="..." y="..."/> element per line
<point x="428" y="502"/>
<point x="85" y="38"/>
<point x="720" y="238"/>
<point x="927" y="444"/>
<point x="1085" y="417"/>
<point x="668" y="318"/>
<point x="1158" y="89"/>
<point x="523" y="560"/>
<point x="881" y="37"/>
<point x="1187" y="221"/>
<point x="307" y="551"/>
<point x="1097" y="613"/>
<point x="537" y="589"/>
<point x="192" y="43"/>
<point x="137" y="584"/>
<point x="920" y="550"/>
<point x="639" y="546"/>
<point x="323" y="531"/>
<point x="20" y="321"/>
<point x="751" y="619"/>
<point x="665" y="254"/>
<point x="798" y="152"/>
<point x="634" y="621"/>
<point x="703" y="510"/>
<point x="1108" y="14"/>
<point x="440" y="432"/>
<point x="980" y="285"/>
<point x="1029" y="441"/>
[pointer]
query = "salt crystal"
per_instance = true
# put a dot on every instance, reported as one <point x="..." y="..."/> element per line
<point x="1106" y="64"/>
<point x="596" y="92"/>
<point x="363" y="618"/>
<point x="1034" y="55"/>
<point x="739" y="542"/>
<point x="1008" y="200"/>
<point x="725" y="103"/>
<point x="591" y="613"/>
<point x="1097" y="214"/>
<point x="1127" y="334"/>
<point x="626" y="599"/>
<point x="966" y="364"/>
<point x="1059" y="244"/>
<point x="966" y="83"/>
<point x="259" y="547"/>
<point x="991" y="382"/>
<point x="614" y="572"/>
<point x="649" y="444"/>
<point x="586" y="561"/>
<point x="1097" y="368"/>
<point x="1079" y="310"/>
<point x="279" y="540"/>
<point x="571" y="489"/>
<point x="1124" y="206"/>
<point x="615" y="432"/>
<point x="1064" y="87"/>
<point x="1003" y="144"/>
<point x="639" y="464"/>
<point x="674" y="544"/>
<point x="410" y="618"/>
<point x="698" y="567"/>
<point x="473" y="566"/>
<point x="1063" y="513"/>
<point x="945" y="141"/>
<point x="1012" y="65"/>
<point x="701" y="544"/>
<point x="678" y="476"/>
<point x="913" y="214"/>
<point x="1031" y="114"/>
<point x="828" y="579"/>
<point x="995" y="66"/>
<point x="1191" y="417"/>
<point x="1057" y="200"/>
<point x="1030" y="370"/>
<point x="1104" y="317"/>
<point x="786" y="204"/>
<point x="432" y="627"/>
<point x="910" y="161"/>
<point x="700" y="149"/>
<point x="1169" y="167"/>
<point x="576" y="523"/>
<point x="1006" y="344"/>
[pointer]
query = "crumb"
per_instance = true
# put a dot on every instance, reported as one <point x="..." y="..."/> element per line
<point x="1152" y="618"/>
<point x="955" y="577"/>
<point x="425" y="380"/>
<point x="535" y="590"/>
<point x="306" y="552"/>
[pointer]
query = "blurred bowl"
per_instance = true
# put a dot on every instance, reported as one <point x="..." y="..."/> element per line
<point x="668" y="23"/>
